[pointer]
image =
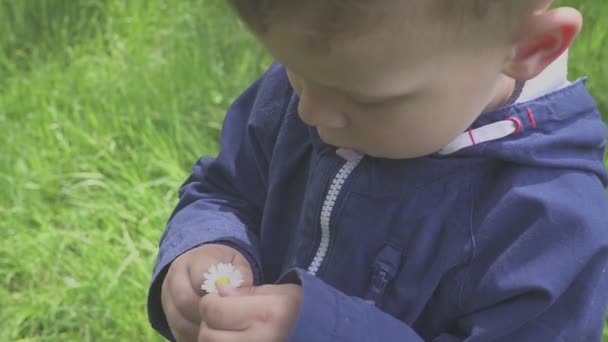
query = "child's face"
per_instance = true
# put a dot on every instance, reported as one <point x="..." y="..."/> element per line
<point x="389" y="94"/>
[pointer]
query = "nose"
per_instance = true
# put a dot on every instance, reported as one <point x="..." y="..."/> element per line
<point x="318" y="112"/>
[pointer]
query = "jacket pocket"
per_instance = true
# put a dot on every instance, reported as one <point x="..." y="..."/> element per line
<point x="404" y="250"/>
<point x="384" y="269"/>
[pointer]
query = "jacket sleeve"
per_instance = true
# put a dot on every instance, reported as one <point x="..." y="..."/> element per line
<point x="222" y="200"/>
<point x="328" y="315"/>
<point x="538" y="274"/>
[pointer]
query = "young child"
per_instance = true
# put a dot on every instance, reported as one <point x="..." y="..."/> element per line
<point x="407" y="171"/>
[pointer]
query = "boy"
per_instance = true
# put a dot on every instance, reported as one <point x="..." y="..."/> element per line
<point x="396" y="178"/>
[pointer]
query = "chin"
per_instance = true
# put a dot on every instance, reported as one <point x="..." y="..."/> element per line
<point x="396" y="154"/>
<point x="327" y="138"/>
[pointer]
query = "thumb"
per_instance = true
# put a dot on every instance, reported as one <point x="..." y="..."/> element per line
<point x="225" y="290"/>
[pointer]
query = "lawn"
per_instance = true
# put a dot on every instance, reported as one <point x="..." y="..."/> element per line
<point x="104" y="106"/>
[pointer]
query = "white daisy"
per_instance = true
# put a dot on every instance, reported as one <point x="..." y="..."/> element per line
<point x="221" y="274"/>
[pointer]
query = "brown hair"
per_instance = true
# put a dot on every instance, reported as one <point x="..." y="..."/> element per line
<point x="349" y="17"/>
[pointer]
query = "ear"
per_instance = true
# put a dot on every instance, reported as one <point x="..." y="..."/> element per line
<point x="543" y="38"/>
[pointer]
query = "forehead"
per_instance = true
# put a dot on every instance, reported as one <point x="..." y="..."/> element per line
<point x="381" y="59"/>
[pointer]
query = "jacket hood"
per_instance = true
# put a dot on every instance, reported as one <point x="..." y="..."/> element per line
<point x="563" y="129"/>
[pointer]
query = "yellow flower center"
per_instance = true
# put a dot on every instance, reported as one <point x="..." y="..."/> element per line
<point x="222" y="280"/>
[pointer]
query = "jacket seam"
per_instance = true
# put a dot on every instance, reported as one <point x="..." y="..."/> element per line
<point x="472" y="252"/>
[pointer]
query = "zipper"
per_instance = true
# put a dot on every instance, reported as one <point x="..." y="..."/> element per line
<point x="327" y="209"/>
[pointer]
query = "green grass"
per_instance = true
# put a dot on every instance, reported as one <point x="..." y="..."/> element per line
<point x="104" y="106"/>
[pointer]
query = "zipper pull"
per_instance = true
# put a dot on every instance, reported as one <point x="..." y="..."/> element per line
<point x="385" y="268"/>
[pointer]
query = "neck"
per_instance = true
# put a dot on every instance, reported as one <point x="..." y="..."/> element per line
<point x="504" y="91"/>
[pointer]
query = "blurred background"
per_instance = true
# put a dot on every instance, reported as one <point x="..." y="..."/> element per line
<point x="104" y="107"/>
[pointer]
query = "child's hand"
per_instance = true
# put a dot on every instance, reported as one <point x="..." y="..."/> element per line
<point x="250" y="314"/>
<point x="181" y="290"/>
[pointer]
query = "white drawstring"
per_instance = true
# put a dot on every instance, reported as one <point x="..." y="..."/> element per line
<point x="494" y="131"/>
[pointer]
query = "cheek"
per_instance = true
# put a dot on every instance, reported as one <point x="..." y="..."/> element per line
<point x="384" y="127"/>
<point x="296" y="84"/>
<point x="382" y="115"/>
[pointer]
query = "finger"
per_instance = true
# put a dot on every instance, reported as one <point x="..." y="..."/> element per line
<point x="207" y="334"/>
<point x="196" y="276"/>
<point x="182" y="328"/>
<point x="205" y="256"/>
<point x="243" y="266"/>
<point x="234" y="313"/>
<point x="197" y="270"/>
<point x="183" y="296"/>
<point x="243" y="291"/>
<point x="225" y="290"/>
<point x="264" y="290"/>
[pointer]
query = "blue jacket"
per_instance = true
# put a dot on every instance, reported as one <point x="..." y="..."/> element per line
<point x="502" y="241"/>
